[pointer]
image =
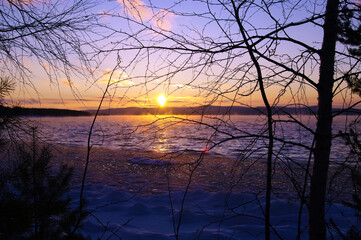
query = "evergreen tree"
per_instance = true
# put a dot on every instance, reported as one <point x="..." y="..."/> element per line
<point x="349" y="33"/>
<point x="349" y="27"/>
<point x="33" y="199"/>
<point x="352" y="141"/>
<point x="7" y="85"/>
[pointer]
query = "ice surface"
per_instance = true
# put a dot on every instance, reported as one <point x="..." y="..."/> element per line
<point x="172" y="135"/>
<point x="147" y="161"/>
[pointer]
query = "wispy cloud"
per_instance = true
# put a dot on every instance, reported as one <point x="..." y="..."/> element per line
<point x="180" y="85"/>
<point x="21" y="102"/>
<point x="119" y="78"/>
<point x="161" y="19"/>
<point x="26" y="2"/>
<point x="70" y="103"/>
<point x="68" y="83"/>
<point x="136" y="9"/>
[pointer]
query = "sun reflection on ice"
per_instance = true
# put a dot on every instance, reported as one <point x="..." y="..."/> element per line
<point x="161" y="144"/>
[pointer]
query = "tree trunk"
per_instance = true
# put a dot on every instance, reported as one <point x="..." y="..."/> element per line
<point x="317" y="225"/>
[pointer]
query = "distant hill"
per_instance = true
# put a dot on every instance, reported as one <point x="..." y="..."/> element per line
<point x="202" y="110"/>
<point x="19" y="111"/>
<point x="211" y="110"/>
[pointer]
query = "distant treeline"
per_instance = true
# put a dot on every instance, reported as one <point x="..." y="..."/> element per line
<point x="203" y="110"/>
<point x="216" y="110"/>
<point x="19" y="111"/>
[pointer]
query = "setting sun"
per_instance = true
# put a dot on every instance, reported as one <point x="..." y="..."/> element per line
<point x="161" y="100"/>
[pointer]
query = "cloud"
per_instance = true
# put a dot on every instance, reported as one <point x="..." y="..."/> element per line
<point x="68" y="83"/>
<point x="163" y="20"/>
<point x="136" y="9"/>
<point x="25" y="2"/>
<point x="119" y="78"/>
<point x="160" y="19"/>
<point x="180" y="85"/>
<point x="21" y="102"/>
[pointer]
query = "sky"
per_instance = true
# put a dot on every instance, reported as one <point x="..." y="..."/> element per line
<point x="138" y="78"/>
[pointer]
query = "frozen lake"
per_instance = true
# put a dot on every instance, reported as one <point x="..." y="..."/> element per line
<point x="142" y="197"/>
<point x="231" y="135"/>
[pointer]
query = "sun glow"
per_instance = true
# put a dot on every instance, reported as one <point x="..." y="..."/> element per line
<point x="161" y="100"/>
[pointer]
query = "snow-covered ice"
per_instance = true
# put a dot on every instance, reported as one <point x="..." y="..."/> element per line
<point x="117" y="214"/>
